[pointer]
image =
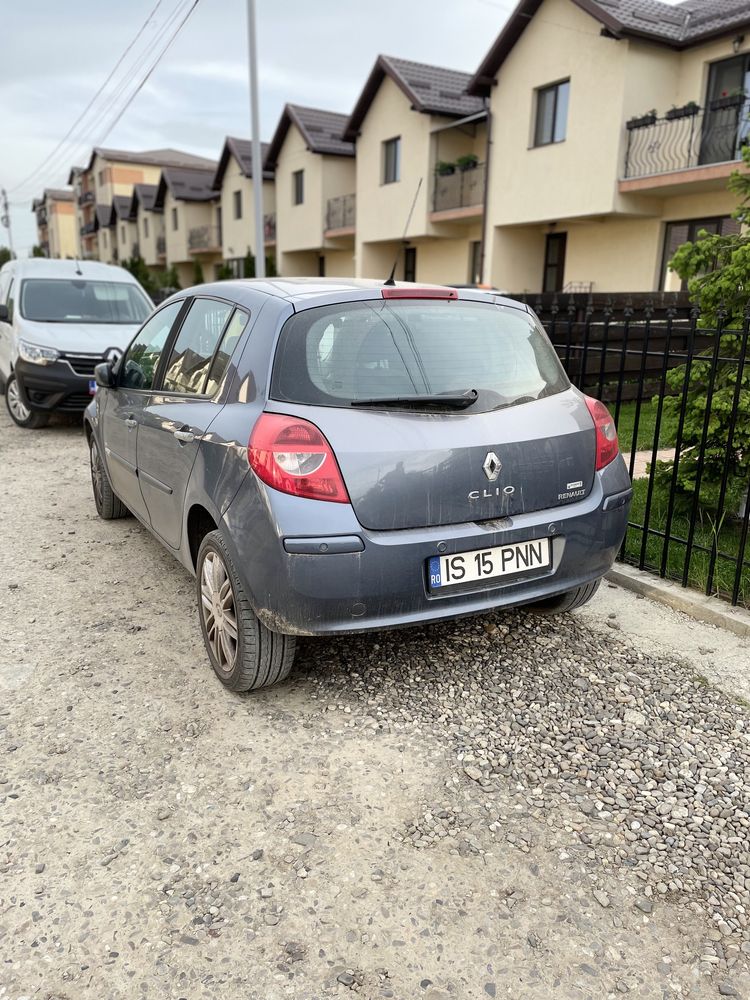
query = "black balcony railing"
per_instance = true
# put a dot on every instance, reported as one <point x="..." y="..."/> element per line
<point x="269" y="227"/>
<point x="41" y="217"/>
<point x="85" y="197"/>
<point x="203" y="239"/>
<point x="688" y="137"/>
<point x="161" y="246"/>
<point x="461" y="189"/>
<point x="341" y="212"/>
<point x="87" y="228"/>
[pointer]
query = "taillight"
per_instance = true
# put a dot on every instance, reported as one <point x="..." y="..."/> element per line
<point x="293" y="456"/>
<point x="607" y="445"/>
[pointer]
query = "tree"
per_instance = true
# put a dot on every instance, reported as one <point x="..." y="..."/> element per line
<point x="140" y="271"/>
<point x="37" y="251"/>
<point x="4" y="255"/>
<point x="198" y="278"/>
<point x="717" y="269"/>
<point x="223" y="272"/>
<point x="248" y="266"/>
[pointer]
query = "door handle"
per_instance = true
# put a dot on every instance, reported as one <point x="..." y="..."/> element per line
<point x="184" y="436"/>
<point x="130" y="423"/>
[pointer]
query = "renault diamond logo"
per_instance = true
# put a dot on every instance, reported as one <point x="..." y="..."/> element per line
<point x="492" y="466"/>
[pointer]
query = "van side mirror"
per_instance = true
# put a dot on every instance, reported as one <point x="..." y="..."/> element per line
<point x="104" y="375"/>
<point x="4" y="314"/>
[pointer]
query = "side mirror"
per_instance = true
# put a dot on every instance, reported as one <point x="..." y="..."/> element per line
<point x="104" y="375"/>
<point x="4" y="314"/>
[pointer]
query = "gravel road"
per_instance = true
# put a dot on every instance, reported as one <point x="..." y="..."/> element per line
<point x="501" y="807"/>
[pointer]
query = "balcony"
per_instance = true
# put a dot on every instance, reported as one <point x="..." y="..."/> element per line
<point x="86" y="198"/>
<point x="88" y="229"/>
<point x="269" y="227"/>
<point x="687" y="145"/>
<point x="459" y="195"/>
<point x="341" y="215"/>
<point x="161" y="246"/>
<point x="204" y="239"/>
<point x="41" y="217"/>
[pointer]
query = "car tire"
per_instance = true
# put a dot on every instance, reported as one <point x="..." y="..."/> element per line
<point x="18" y="412"/>
<point x="244" y="653"/>
<point x="567" y="601"/>
<point x="108" y="505"/>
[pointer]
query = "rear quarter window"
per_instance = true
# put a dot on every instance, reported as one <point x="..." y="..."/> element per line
<point x="335" y="355"/>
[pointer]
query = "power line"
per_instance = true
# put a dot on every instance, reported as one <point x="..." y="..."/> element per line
<point x="93" y="100"/>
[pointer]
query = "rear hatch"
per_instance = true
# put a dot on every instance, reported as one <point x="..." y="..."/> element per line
<point x="438" y="412"/>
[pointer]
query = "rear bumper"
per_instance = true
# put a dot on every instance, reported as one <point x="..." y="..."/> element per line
<point x="52" y="387"/>
<point x="384" y="583"/>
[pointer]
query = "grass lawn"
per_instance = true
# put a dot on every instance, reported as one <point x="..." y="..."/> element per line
<point x="646" y="427"/>
<point x="729" y="542"/>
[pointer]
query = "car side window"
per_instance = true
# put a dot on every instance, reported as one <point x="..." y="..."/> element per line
<point x="142" y="357"/>
<point x="193" y="351"/>
<point x="232" y="334"/>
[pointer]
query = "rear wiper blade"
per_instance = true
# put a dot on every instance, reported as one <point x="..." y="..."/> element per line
<point x="455" y="400"/>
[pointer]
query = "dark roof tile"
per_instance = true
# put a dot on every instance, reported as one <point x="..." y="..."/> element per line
<point x="430" y="89"/>
<point x="242" y="151"/>
<point x="186" y="185"/>
<point x="321" y="130"/>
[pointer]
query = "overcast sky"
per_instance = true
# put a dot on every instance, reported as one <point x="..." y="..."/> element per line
<point x="56" y="54"/>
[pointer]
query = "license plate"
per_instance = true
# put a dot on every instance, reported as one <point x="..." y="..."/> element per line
<point x="92" y="387"/>
<point x="488" y="564"/>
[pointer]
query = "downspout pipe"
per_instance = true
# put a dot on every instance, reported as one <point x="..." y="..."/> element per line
<point x="483" y="238"/>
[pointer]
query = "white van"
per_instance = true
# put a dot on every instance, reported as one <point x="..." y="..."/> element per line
<point x="58" y="320"/>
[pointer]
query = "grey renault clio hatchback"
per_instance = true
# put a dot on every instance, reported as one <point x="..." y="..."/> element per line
<point x="335" y="456"/>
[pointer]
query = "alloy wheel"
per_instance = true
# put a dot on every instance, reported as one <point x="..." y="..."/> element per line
<point x="18" y="409"/>
<point x="219" y="611"/>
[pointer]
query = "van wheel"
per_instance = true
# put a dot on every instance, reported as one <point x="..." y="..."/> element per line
<point x="244" y="653"/>
<point x="108" y="505"/>
<point x="19" y="412"/>
<point x="568" y="601"/>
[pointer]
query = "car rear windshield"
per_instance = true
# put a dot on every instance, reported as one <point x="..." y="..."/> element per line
<point x="70" y="300"/>
<point x="357" y="352"/>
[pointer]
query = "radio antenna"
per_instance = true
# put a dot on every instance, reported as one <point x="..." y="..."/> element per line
<point x="391" y="276"/>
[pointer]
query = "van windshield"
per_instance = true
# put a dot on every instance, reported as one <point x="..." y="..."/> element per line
<point x="55" y="300"/>
<point x="357" y="353"/>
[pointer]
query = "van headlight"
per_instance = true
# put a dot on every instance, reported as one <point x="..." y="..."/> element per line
<point x="37" y="355"/>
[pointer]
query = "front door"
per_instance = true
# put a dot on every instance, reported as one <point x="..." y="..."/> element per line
<point x="554" y="262"/>
<point x="122" y="407"/>
<point x="180" y="412"/>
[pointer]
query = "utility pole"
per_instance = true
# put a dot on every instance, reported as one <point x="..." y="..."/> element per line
<point x="252" y="52"/>
<point x="5" y="219"/>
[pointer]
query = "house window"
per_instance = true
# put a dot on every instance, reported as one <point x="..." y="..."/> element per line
<point x="298" y="187"/>
<point x="677" y="233"/>
<point x="237" y="202"/>
<point x="104" y="240"/>
<point x="552" y="113"/>
<point x="554" y="262"/>
<point x="174" y="218"/>
<point x="410" y="264"/>
<point x="392" y="160"/>
<point x="123" y="234"/>
<point x="101" y="178"/>
<point x="145" y="228"/>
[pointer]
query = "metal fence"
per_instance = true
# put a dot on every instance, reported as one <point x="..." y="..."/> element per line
<point x="690" y="514"/>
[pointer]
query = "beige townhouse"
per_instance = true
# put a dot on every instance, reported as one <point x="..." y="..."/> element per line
<point x="125" y="234"/>
<point x="111" y="172"/>
<point x="192" y="222"/>
<point x="615" y="125"/>
<point x="420" y="143"/>
<point x="315" y="201"/>
<point x="234" y="182"/>
<point x="56" y="222"/>
<point x="150" y="241"/>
